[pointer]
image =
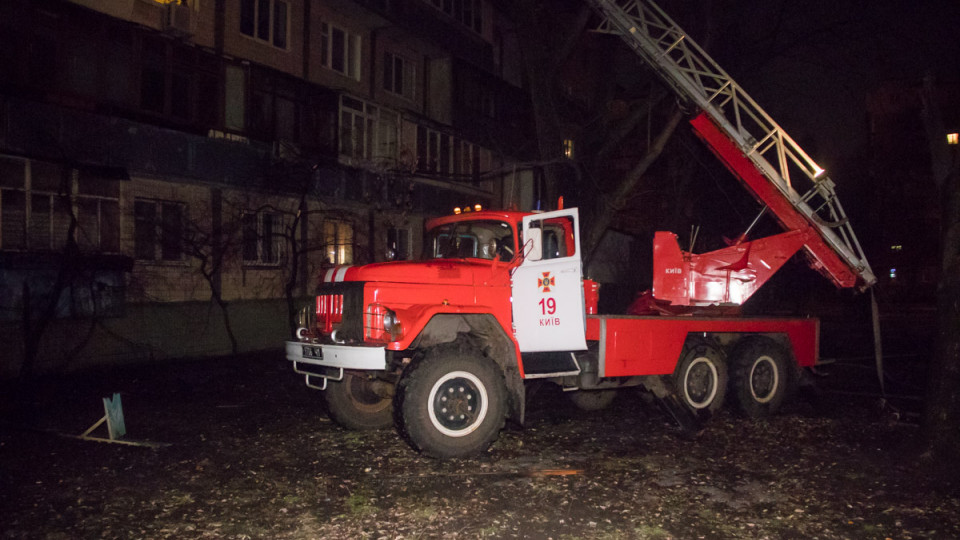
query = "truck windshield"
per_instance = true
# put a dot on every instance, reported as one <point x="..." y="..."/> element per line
<point x="482" y="239"/>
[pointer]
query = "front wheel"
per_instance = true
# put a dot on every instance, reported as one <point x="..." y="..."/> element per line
<point x="452" y="403"/>
<point x="701" y="376"/>
<point x="359" y="403"/>
<point x="761" y="376"/>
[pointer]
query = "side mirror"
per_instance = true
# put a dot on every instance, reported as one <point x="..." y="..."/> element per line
<point x="533" y="247"/>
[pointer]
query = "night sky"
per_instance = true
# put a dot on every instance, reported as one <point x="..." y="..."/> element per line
<point x="811" y="64"/>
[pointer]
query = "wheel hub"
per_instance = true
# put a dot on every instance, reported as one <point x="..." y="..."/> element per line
<point x="456" y="404"/>
<point x="700" y="383"/>
<point x="363" y="394"/>
<point x="764" y="379"/>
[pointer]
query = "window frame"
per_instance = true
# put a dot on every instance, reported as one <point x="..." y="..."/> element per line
<point x="392" y="62"/>
<point x="276" y="22"/>
<point x="472" y="17"/>
<point x="261" y="237"/>
<point x="158" y="237"/>
<point x="343" y="246"/>
<point x="350" y="52"/>
<point x="443" y="154"/>
<point x="399" y="241"/>
<point x="59" y="216"/>
<point x="380" y="131"/>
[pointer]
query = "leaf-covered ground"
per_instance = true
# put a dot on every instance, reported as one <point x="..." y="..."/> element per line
<point x="251" y="454"/>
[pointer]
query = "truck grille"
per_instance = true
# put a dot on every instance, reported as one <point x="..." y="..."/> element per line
<point x="340" y="307"/>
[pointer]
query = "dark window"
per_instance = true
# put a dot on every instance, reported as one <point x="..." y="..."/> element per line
<point x="262" y="237"/>
<point x="247" y="16"/>
<point x="399" y="75"/>
<point x="171" y="232"/>
<point x="338" y="48"/>
<point x="153" y="75"/>
<point x="265" y="20"/>
<point x="14" y="214"/>
<point x="158" y="230"/>
<point x="37" y="208"/>
<point x="145" y="230"/>
<point x="280" y="24"/>
<point x="398" y="241"/>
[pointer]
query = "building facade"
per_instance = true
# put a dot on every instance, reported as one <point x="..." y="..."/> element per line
<point x="175" y="174"/>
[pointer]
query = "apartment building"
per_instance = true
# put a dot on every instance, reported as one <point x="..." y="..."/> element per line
<point x="173" y="173"/>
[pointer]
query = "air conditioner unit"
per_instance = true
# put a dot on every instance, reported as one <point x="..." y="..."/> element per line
<point x="179" y="20"/>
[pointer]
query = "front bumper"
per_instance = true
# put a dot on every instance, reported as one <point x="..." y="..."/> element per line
<point x="337" y="356"/>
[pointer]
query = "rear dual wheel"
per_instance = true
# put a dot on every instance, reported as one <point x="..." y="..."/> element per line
<point x="761" y="376"/>
<point x="700" y="379"/>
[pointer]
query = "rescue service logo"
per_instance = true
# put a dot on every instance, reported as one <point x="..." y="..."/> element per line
<point x="545" y="282"/>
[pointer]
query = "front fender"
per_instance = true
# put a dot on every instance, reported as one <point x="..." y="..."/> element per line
<point x="416" y="317"/>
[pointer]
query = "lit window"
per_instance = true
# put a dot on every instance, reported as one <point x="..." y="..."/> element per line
<point x="338" y="242"/>
<point x="953" y="138"/>
<point x="896" y="247"/>
<point x="568" y="148"/>
<point x="265" y="20"/>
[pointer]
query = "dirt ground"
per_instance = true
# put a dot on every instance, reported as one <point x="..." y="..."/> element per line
<point x="250" y="454"/>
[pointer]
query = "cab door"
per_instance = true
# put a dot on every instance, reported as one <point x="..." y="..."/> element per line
<point x="548" y="311"/>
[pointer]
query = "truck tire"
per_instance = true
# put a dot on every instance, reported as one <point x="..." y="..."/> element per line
<point x="701" y="376"/>
<point x="452" y="402"/>
<point x="761" y="376"/>
<point x="592" y="400"/>
<point x="353" y="404"/>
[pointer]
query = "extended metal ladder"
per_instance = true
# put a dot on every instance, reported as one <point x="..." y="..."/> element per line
<point x="744" y="137"/>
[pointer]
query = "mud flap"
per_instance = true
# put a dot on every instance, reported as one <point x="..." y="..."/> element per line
<point x="689" y="422"/>
<point x="810" y="391"/>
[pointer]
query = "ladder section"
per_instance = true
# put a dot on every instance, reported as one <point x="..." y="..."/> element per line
<point x="801" y="187"/>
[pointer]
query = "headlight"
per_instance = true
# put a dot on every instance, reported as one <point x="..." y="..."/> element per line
<point x="381" y="323"/>
<point x="390" y="321"/>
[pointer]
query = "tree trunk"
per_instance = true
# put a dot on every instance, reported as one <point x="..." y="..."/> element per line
<point x="942" y="413"/>
<point x="942" y="410"/>
<point x="613" y="204"/>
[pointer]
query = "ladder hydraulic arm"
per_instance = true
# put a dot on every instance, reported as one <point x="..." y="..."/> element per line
<point x="772" y="165"/>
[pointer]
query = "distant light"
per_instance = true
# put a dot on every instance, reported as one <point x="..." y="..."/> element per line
<point x="896" y="247"/>
<point x="477" y="208"/>
<point x="893" y="273"/>
<point x="568" y="148"/>
<point x="953" y="138"/>
<point x="456" y="210"/>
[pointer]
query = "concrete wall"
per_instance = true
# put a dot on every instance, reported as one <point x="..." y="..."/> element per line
<point x="149" y="333"/>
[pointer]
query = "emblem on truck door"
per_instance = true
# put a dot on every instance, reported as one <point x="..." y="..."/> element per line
<point x="545" y="282"/>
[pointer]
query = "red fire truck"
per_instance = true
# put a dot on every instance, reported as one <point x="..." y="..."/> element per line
<point x="442" y="346"/>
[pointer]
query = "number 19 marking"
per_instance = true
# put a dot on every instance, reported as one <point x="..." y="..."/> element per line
<point x="548" y="306"/>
